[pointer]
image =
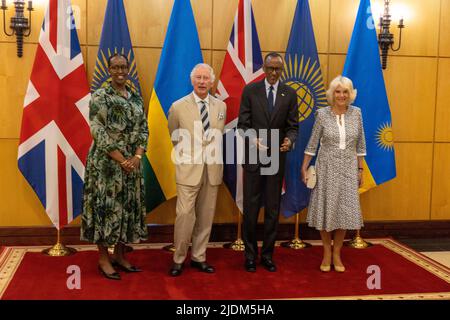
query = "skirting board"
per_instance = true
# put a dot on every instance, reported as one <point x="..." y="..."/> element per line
<point x="25" y="236"/>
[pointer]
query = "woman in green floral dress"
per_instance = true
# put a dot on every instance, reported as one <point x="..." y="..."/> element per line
<point x="113" y="202"/>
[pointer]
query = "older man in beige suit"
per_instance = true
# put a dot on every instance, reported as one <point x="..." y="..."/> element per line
<point x="196" y="124"/>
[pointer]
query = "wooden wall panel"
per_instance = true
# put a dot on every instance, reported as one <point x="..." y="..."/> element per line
<point x="407" y="197"/>
<point x="443" y="101"/>
<point x="14" y="76"/>
<point x="20" y="206"/>
<point x="320" y="15"/>
<point x="273" y="21"/>
<point x="203" y="18"/>
<point x="335" y="66"/>
<point x="342" y="19"/>
<point x="147" y="21"/>
<point x="440" y="202"/>
<point x="411" y="88"/>
<point x="223" y="19"/>
<point x="444" y="42"/>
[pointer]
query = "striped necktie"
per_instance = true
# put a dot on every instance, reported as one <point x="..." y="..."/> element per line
<point x="204" y="116"/>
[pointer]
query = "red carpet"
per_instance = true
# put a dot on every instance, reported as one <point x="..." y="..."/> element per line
<point x="32" y="275"/>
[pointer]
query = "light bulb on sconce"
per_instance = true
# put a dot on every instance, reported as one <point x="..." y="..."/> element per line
<point x="20" y="25"/>
<point x="385" y="38"/>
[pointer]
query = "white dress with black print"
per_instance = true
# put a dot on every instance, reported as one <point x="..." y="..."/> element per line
<point x="334" y="202"/>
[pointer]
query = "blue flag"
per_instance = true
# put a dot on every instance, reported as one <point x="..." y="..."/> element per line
<point x="180" y="53"/>
<point x="363" y="67"/>
<point x="303" y="74"/>
<point x="115" y="38"/>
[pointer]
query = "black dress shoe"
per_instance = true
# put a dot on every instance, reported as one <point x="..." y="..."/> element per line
<point x="203" y="266"/>
<point x="269" y="265"/>
<point x="112" y="276"/>
<point x="250" y="265"/>
<point x="176" y="269"/>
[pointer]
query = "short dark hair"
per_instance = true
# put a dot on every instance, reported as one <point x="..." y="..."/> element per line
<point x="273" y="55"/>
<point x="117" y="55"/>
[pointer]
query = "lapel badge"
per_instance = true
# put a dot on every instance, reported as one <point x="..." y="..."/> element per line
<point x="221" y="116"/>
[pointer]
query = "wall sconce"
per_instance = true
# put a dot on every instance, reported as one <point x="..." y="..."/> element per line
<point x="385" y="38"/>
<point x="19" y="23"/>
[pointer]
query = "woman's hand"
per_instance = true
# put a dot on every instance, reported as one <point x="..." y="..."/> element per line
<point x="127" y="166"/>
<point x="134" y="162"/>
<point x="131" y="164"/>
<point x="303" y="172"/>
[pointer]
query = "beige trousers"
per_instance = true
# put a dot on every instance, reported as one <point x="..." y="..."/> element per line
<point x="195" y="210"/>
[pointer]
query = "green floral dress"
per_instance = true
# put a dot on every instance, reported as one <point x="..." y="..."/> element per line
<point x="113" y="200"/>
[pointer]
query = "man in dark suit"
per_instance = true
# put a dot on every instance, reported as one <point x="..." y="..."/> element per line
<point x="268" y="121"/>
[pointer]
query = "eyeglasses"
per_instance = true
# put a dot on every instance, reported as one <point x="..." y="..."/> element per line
<point x="272" y="69"/>
<point x="117" y="68"/>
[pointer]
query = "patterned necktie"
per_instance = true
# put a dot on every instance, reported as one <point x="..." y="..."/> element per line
<point x="204" y="116"/>
<point x="270" y="98"/>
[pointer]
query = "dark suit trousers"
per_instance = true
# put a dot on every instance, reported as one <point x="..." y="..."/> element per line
<point x="261" y="190"/>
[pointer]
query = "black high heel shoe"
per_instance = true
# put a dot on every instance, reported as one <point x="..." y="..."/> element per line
<point x="112" y="276"/>
<point x="130" y="269"/>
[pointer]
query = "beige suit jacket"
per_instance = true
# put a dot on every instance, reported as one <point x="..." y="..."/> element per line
<point x="191" y="149"/>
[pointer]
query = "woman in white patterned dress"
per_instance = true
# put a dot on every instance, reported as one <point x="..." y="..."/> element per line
<point x="334" y="204"/>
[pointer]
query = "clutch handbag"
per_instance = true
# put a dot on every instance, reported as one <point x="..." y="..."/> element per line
<point x="311" y="177"/>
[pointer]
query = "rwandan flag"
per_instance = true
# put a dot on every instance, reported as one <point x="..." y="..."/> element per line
<point x="303" y="74"/>
<point x="181" y="52"/>
<point x="363" y="67"/>
<point x="115" y="39"/>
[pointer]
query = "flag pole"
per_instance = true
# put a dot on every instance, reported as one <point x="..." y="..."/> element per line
<point x="238" y="244"/>
<point x="59" y="249"/>
<point x="296" y="243"/>
<point x="358" y="242"/>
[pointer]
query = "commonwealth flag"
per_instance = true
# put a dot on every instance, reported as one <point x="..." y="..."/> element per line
<point x="303" y="74"/>
<point x="115" y="38"/>
<point x="363" y="67"/>
<point x="180" y="53"/>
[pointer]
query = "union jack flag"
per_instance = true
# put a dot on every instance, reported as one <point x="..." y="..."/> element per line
<point x="242" y="65"/>
<point x="55" y="135"/>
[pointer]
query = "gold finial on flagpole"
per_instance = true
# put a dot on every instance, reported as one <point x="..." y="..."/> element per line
<point x="358" y="242"/>
<point x="296" y="243"/>
<point x="238" y="244"/>
<point x="59" y="249"/>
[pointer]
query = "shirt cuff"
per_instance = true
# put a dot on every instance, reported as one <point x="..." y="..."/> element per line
<point x="361" y="154"/>
<point x="310" y="153"/>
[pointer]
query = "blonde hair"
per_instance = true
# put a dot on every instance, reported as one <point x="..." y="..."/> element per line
<point x="345" y="83"/>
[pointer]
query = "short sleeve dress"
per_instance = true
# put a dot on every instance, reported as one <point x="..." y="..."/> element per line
<point x="334" y="202"/>
<point x="113" y="201"/>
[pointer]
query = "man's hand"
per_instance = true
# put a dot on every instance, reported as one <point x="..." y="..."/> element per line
<point x="259" y="145"/>
<point x="286" y="145"/>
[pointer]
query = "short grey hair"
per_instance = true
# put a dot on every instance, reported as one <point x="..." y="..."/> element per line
<point x="345" y="83"/>
<point x="206" y="66"/>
